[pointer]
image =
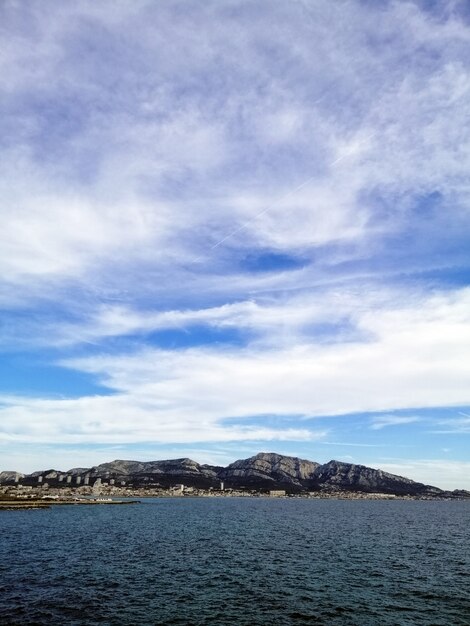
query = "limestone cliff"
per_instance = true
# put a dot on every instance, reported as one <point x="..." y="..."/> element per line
<point x="267" y="467"/>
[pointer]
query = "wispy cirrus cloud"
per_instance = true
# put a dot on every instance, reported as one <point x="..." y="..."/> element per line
<point x="296" y="175"/>
<point x="455" y="426"/>
<point x="197" y="166"/>
<point x="382" y="421"/>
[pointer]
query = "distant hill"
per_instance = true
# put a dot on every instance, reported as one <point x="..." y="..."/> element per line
<point x="262" y="471"/>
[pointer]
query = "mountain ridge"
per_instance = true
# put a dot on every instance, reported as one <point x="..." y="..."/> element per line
<point x="263" y="471"/>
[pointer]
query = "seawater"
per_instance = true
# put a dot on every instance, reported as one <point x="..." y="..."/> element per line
<point x="240" y="561"/>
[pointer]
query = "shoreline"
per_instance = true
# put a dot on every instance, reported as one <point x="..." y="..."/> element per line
<point x="23" y="504"/>
<point x="41" y="503"/>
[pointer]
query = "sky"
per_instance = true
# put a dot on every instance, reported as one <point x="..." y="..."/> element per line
<point x="236" y="226"/>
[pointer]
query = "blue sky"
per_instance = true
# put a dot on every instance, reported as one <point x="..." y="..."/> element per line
<point x="232" y="227"/>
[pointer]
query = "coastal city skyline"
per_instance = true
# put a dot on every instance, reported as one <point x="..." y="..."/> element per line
<point x="233" y="227"/>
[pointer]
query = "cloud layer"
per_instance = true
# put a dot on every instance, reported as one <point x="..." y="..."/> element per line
<point x="234" y="218"/>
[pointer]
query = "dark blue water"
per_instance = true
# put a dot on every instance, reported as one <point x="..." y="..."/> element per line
<point x="237" y="561"/>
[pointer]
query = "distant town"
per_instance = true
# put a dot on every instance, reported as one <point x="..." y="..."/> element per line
<point x="74" y="491"/>
<point x="263" y="475"/>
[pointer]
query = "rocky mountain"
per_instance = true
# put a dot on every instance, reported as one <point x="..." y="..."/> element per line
<point x="263" y="471"/>
<point x="267" y="468"/>
<point x="336" y="474"/>
<point x="164" y="473"/>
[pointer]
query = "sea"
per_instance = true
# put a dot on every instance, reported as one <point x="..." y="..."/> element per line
<point x="237" y="561"/>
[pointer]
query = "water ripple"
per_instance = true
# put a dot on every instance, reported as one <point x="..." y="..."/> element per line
<point x="246" y="562"/>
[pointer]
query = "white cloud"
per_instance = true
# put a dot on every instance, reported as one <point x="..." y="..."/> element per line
<point x="412" y="358"/>
<point x="151" y="140"/>
<point x="66" y="236"/>
<point x="382" y="421"/>
<point x="273" y="321"/>
<point x="139" y="416"/>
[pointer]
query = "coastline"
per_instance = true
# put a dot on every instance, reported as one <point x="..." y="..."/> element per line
<point x="41" y="503"/>
<point x="38" y="500"/>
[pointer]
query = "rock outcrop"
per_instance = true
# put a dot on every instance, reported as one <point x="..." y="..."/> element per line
<point x="268" y="469"/>
<point x="10" y="477"/>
